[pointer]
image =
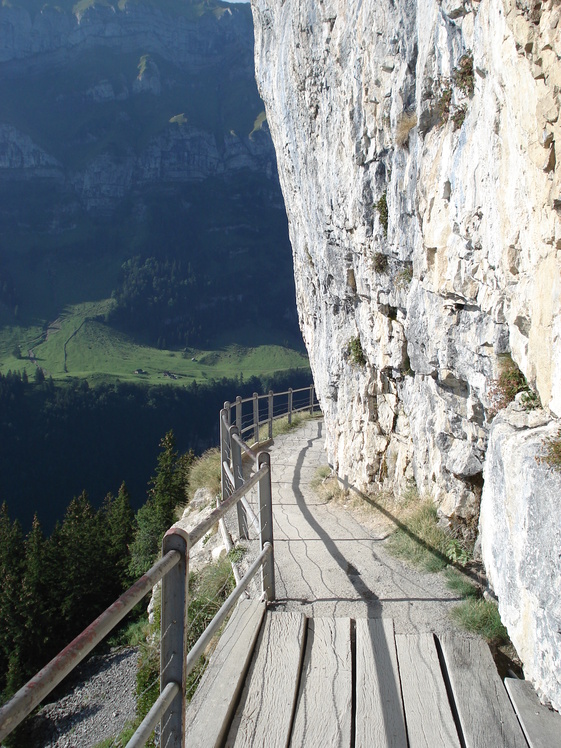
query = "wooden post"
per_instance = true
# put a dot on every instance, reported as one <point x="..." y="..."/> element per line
<point x="311" y="399"/>
<point x="224" y="455"/>
<point x="239" y="413"/>
<point x="289" y="406"/>
<point x="237" y="470"/>
<point x="228" y="408"/>
<point x="270" y="413"/>
<point x="264" y="497"/>
<point x="256" y="417"/>
<point x="173" y="643"/>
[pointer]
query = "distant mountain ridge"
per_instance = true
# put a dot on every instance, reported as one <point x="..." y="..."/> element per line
<point x="30" y="27"/>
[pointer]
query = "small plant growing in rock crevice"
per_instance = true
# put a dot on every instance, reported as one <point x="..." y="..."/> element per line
<point x="382" y="208"/>
<point x="380" y="262"/>
<point x="509" y="383"/>
<point x="464" y="76"/>
<point x="404" y="277"/>
<point x="552" y="454"/>
<point x="463" y="79"/>
<point x="458" y="116"/>
<point x="355" y="352"/>
<point x="444" y="104"/>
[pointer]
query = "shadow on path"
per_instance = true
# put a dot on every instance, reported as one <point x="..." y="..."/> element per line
<point x="373" y="604"/>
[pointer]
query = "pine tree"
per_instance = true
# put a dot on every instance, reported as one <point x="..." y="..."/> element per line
<point x="167" y="491"/>
<point x="39" y="607"/>
<point x="11" y="561"/>
<point x="117" y="519"/>
<point x="80" y="557"/>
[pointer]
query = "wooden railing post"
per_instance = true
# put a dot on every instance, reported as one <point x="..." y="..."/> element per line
<point x="239" y="413"/>
<point x="270" y="413"/>
<point x="228" y="409"/>
<point x="256" y="417"/>
<point x="237" y="470"/>
<point x="264" y="497"/>
<point x="311" y="399"/>
<point x="289" y="405"/>
<point x="224" y="455"/>
<point x="173" y="649"/>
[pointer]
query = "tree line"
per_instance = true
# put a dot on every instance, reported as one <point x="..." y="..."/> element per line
<point x="57" y="440"/>
<point x="178" y="303"/>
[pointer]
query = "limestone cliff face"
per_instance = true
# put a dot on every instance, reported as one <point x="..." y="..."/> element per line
<point x="416" y="143"/>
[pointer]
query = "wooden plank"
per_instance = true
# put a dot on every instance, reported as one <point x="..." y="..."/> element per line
<point x="379" y="710"/>
<point x="324" y="708"/>
<point x="430" y="723"/>
<point x="209" y="714"/>
<point x="264" y="716"/>
<point x="484" y="709"/>
<point x="541" y="726"/>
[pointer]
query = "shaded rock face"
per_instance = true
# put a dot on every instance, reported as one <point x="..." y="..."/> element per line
<point x="107" y="160"/>
<point x="416" y="143"/>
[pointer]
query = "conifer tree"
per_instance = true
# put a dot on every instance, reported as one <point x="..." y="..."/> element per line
<point x="39" y="607"/>
<point x="117" y="519"/>
<point x="80" y="558"/>
<point x="167" y="491"/>
<point x="11" y="560"/>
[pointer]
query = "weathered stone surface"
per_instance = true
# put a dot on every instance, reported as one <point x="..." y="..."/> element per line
<point x="425" y="220"/>
<point x="521" y="544"/>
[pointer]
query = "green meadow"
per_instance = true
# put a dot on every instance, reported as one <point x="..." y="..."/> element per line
<point x="78" y="344"/>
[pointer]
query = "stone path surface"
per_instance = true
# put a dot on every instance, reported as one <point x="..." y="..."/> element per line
<point x="328" y="563"/>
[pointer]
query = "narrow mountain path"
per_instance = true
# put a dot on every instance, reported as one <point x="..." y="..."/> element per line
<point x="330" y="561"/>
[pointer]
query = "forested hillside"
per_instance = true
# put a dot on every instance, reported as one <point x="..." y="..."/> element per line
<point x="54" y="586"/>
<point x="58" y="441"/>
<point x="138" y="188"/>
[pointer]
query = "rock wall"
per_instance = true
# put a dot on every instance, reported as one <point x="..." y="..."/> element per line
<point x="416" y="143"/>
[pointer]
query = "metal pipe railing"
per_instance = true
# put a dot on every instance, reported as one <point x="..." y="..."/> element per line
<point x="41" y="685"/>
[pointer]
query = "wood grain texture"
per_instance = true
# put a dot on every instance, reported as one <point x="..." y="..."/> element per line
<point x="541" y="726"/>
<point x="324" y="709"/>
<point x="264" y="716"/>
<point x="427" y="710"/>
<point x="208" y="716"/>
<point x="486" y="715"/>
<point x="379" y="710"/>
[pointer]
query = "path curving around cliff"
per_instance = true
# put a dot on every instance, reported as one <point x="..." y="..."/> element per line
<point x="331" y="560"/>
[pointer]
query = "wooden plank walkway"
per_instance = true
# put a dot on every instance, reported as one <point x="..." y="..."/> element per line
<point x="336" y="682"/>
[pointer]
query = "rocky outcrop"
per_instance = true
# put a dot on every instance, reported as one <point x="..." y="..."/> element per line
<point x="521" y="542"/>
<point x="416" y="143"/>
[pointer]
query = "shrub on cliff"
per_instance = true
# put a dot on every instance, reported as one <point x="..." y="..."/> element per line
<point x="508" y="384"/>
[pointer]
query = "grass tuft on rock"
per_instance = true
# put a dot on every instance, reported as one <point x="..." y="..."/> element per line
<point x="458" y="583"/>
<point x="205" y="473"/>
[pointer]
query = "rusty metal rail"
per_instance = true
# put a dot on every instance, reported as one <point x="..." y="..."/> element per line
<point x="41" y="685"/>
